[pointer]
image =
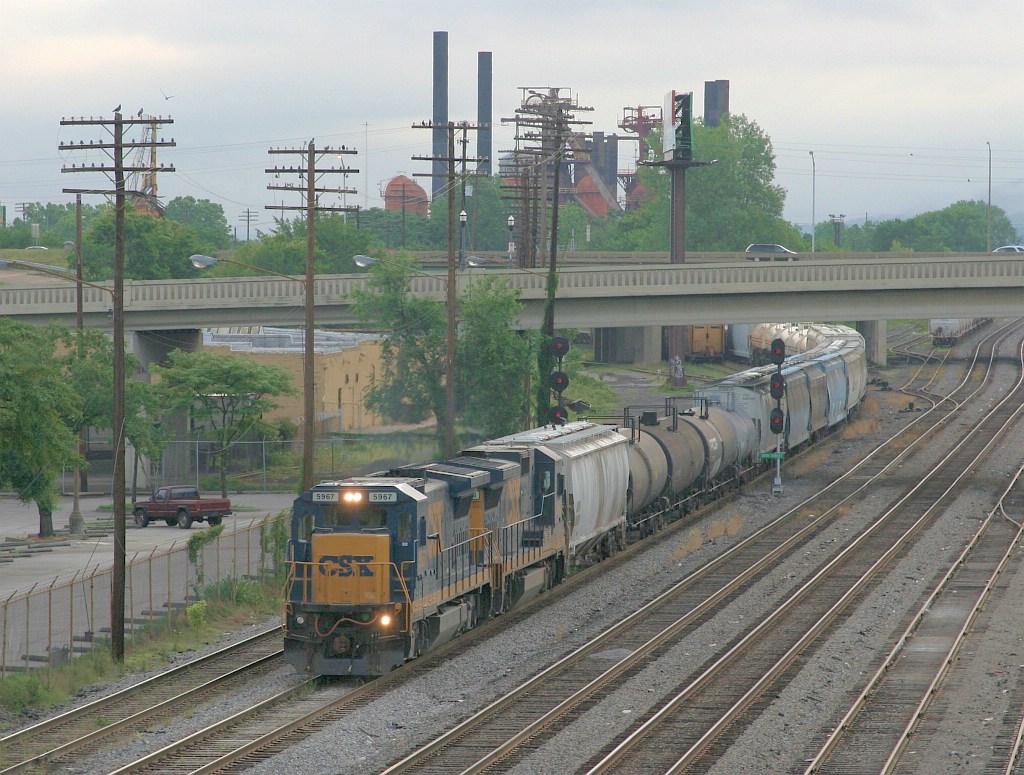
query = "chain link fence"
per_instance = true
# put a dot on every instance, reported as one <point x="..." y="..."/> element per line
<point x="251" y="466"/>
<point x="49" y="625"/>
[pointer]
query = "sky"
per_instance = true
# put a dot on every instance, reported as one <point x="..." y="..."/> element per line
<point x="900" y="102"/>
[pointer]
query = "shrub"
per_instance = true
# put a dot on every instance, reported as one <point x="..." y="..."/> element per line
<point x="197" y="615"/>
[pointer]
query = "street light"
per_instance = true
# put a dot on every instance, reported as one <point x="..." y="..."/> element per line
<point x="511" y="243"/>
<point x="813" y="197"/>
<point x="200" y="261"/>
<point x="463" y="217"/>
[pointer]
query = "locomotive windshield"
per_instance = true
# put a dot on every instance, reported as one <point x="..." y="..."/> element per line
<point x="357" y="516"/>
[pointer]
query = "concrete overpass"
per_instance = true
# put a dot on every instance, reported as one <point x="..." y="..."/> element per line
<point x="871" y="289"/>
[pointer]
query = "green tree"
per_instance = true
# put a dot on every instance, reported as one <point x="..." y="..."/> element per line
<point x="205" y="218"/>
<point x="228" y="395"/>
<point x="36" y="403"/>
<point x="413" y="353"/>
<point x="87" y="364"/>
<point x="494" y="360"/>
<point x="961" y="227"/>
<point x="154" y="248"/>
<point x="729" y="204"/>
<point x="336" y="241"/>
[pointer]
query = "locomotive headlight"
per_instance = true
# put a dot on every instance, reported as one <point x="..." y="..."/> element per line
<point x="385" y="620"/>
<point x="300" y="620"/>
<point x="352" y="496"/>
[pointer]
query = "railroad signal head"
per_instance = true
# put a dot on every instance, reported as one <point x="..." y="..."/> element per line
<point x="778" y="352"/>
<point x="777" y="421"/>
<point x="777" y="386"/>
<point x="558" y="415"/>
<point x="558" y="381"/>
<point x="559" y="347"/>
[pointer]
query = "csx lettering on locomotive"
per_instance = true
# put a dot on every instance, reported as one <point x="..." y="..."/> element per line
<point x="346" y="565"/>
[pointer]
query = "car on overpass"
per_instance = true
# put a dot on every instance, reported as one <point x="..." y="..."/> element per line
<point x="1010" y="249"/>
<point x="760" y="251"/>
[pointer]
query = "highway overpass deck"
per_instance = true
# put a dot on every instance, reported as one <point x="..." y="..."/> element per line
<point x="984" y="285"/>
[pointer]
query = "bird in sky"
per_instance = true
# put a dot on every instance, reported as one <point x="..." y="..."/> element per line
<point x="166" y="96"/>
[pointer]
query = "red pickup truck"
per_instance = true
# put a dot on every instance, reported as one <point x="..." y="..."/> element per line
<point x="181" y="505"/>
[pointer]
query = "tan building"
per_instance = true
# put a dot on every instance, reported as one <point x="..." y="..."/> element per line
<point x="344" y="365"/>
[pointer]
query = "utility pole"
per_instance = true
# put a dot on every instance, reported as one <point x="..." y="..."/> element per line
<point x="310" y="191"/>
<point x="452" y="178"/>
<point x="76" y="524"/>
<point x="248" y="216"/>
<point x="114" y="148"/>
<point x="544" y="140"/>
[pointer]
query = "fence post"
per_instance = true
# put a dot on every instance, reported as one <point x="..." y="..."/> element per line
<point x="170" y="613"/>
<point x="92" y="606"/>
<point x="71" y="615"/>
<point x="49" y="627"/>
<point x="28" y="618"/>
<point x="3" y="646"/>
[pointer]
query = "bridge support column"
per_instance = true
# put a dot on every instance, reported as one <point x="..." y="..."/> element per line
<point x="874" y="332"/>
<point x="632" y="344"/>
<point x="651" y="345"/>
<point x="150" y="348"/>
<point x="153" y="347"/>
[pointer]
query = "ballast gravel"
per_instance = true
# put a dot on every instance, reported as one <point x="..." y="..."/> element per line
<point x="989" y="680"/>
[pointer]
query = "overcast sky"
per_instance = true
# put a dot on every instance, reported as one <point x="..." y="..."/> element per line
<point x="897" y="100"/>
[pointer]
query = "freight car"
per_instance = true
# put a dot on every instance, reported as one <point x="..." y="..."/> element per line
<point x="950" y="330"/>
<point x="707" y="343"/>
<point x="385" y="567"/>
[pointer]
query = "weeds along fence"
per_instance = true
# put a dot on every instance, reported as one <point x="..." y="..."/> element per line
<point x="51" y="624"/>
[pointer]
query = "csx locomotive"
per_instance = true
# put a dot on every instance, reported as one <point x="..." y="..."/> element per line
<point x="384" y="567"/>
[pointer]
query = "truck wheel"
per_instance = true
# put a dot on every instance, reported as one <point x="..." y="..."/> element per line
<point x="184" y="519"/>
<point x="141" y="519"/>
<point x="214" y="520"/>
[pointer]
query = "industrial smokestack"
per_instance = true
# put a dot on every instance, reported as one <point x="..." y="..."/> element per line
<point x="483" y="112"/>
<point x="440" y="132"/>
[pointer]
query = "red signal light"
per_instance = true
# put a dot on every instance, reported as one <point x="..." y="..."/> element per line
<point x="558" y="381"/>
<point x="777" y="421"/>
<point x="778" y="352"/>
<point x="558" y="415"/>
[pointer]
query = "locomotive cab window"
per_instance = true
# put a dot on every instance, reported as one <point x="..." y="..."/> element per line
<point x="405" y="527"/>
<point x="357" y="517"/>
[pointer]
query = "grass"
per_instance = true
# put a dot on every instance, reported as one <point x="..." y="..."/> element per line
<point x="52" y="257"/>
<point x="230" y="606"/>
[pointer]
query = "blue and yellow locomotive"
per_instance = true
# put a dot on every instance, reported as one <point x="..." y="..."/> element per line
<point x="384" y="567"/>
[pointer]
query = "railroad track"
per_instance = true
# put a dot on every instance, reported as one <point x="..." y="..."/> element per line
<point x="502" y="734"/>
<point x="915" y="671"/>
<point x="676" y="736"/>
<point x="234" y="745"/>
<point x="173" y="692"/>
